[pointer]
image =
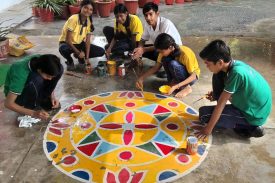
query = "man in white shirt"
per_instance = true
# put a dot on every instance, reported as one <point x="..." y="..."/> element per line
<point x="155" y="26"/>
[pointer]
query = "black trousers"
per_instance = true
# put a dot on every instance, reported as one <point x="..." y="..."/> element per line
<point x="37" y="91"/>
<point x="66" y="51"/>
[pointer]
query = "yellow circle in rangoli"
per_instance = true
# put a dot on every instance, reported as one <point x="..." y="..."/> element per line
<point x="124" y="136"/>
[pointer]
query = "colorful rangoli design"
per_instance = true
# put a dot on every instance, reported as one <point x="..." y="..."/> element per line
<point x="123" y="137"/>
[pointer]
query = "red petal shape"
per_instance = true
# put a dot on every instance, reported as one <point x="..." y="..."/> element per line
<point x="127" y="137"/>
<point x="145" y="126"/>
<point x="129" y="117"/>
<point x="60" y="125"/>
<point x="131" y="95"/>
<point x="55" y="131"/>
<point x="137" y="177"/>
<point x="89" y="102"/>
<point x="123" y="94"/>
<point x="111" y="126"/>
<point x="69" y="160"/>
<point x="138" y="94"/>
<point x="123" y="176"/>
<point x="111" y="178"/>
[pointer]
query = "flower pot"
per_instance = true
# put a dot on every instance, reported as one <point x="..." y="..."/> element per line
<point x="141" y="3"/>
<point x="46" y="15"/>
<point x="179" y="1"/>
<point x="104" y="9"/>
<point x="156" y="2"/>
<point x="35" y="11"/>
<point x="4" y="48"/>
<point x="74" y="9"/>
<point x="131" y="5"/>
<point x="169" y="2"/>
<point x="65" y="14"/>
<point x="95" y="8"/>
<point x="119" y="2"/>
<point x="113" y="4"/>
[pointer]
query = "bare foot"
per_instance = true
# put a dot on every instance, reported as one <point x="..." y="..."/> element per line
<point x="184" y="92"/>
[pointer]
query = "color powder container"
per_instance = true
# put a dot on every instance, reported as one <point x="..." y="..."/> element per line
<point x="192" y="145"/>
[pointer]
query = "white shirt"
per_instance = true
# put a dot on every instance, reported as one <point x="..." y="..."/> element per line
<point x="164" y="25"/>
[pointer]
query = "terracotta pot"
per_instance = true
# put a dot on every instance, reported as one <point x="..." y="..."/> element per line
<point x="113" y="4"/>
<point x="65" y="14"/>
<point x="46" y="15"/>
<point x="141" y="3"/>
<point x="169" y="2"/>
<point x="4" y="48"/>
<point x="95" y="10"/>
<point x="104" y="8"/>
<point x="156" y="2"/>
<point x="131" y="5"/>
<point x="35" y="11"/>
<point x="179" y="1"/>
<point x="74" y="9"/>
<point x="119" y="2"/>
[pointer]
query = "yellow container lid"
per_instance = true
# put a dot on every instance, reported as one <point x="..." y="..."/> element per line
<point x="111" y="62"/>
<point x="164" y="89"/>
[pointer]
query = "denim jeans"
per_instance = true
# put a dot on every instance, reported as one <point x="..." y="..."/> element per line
<point x="37" y="91"/>
<point x="175" y="71"/>
<point x="66" y="51"/>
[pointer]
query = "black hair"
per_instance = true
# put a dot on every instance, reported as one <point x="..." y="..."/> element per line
<point x="165" y="41"/>
<point x="150" y="6"/>
<point x="215" y="51"/>
<point x="120" y="8"/>
<point x="48" y="64"/>
<point x="87" y="2"/>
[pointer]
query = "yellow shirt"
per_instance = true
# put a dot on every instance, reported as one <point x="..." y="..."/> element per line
<point x="73" y="24"/>
<point x="188" y="59"/>
<point x="135" y="27"/>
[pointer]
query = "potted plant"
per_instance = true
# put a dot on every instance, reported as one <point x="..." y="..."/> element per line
<point x="64" y="6"/>
<point x="131" y="5"/>
<point x="141" y="3"/>
<point x="47" y="8"/>
<point x="169" y="2"/>
<point x="104" y="8"/>
<point x="74" y="6"/>
<point x="4" y="41"/>
<point x="179" y="1"/>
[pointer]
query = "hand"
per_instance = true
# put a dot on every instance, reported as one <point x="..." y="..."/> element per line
<point x="55" y="103"/>
<point x="203" y="133"/>
<point x="172" y="89"/>
<point x="137" y="53"/>
<point x="41" y="115"/>
<point x="108" y="52"/>
<point x="209" y="96"/>
<point x="81" y="54"/>
<point x="139" y="83"/>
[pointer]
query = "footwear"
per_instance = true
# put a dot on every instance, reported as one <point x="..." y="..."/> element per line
<point x="161" y="74"/>
<point x="247" y="133"/>
<point x="70" y="66"/>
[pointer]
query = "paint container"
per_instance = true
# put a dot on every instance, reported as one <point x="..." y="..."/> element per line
<point x="101" y="69"/>
<point x="192" y="145"/>
<point x="75" y="108"/>
<point x="88" y="69"/>
<point x="111" y="67"/>
<point x="121" y="70"/>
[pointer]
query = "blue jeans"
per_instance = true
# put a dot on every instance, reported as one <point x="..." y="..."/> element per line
<point x="175" y="71"/>
<point x="231" y="116"/>
<point x="37" y="91"/>
<point x="66" y="51"/>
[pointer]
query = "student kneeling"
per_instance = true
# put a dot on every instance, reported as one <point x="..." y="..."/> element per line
<point x="180" y="65"/>
<point x="30" y="84"/>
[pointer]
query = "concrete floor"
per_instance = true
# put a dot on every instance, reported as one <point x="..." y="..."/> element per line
<point x="247" y="26"/>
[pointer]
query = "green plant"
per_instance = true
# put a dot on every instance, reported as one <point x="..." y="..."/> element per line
<point x="52" y="5"/>
<point x="70" y="2"/>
